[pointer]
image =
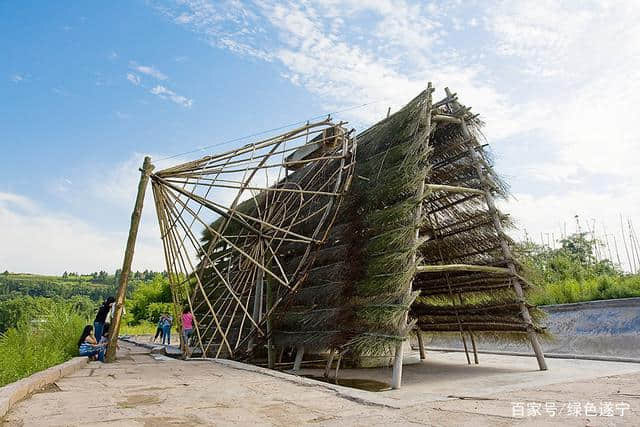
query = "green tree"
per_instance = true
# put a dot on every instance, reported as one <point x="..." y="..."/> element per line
<point x="147" y="293"/>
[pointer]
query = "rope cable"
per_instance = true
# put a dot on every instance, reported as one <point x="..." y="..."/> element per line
<point x="229" y="141"/>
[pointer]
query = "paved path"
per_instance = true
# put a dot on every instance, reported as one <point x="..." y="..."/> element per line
<point x="142" y="390"/>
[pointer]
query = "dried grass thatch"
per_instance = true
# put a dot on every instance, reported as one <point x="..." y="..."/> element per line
<point x="421" y="196"/>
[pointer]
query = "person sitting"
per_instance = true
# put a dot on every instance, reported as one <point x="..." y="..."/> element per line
<point x="88" y="346"/>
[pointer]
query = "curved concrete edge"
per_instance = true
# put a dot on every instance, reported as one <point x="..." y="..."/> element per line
<point x="604" y="303"/>
<point x="16" y="391"/>
<point x="549" y="355"/>
<point x="359" y="396"/>
<point x="155" y="348"/>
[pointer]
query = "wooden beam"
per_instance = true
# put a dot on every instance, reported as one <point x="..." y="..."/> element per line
<point x="454" y="189"/>
<point x="145" y="172"/>
<point x="462" y="267"/>
<point x="443" y="118"/>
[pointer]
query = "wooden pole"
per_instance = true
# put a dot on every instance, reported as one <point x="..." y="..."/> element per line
<point x="517" y="287"/>
<point x="298" y="361"/>
<point x="257" y="298"/>
<point x="271" y="350"/>
<point x="335" y="379"/>
<point x="329" y="362"/>
<point x="626" y="249"/>
<point x="473" y="344"/>
<point x="421" y="344"/>
<point x="147" y="167"/>
<point x="396" y="376"/>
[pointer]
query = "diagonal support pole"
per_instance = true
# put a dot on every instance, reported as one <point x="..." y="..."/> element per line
<point x="515" y="282"/>
<point x="145" y="172"/>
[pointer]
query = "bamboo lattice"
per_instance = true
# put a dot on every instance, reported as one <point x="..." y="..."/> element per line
<point x="224" y="220"/>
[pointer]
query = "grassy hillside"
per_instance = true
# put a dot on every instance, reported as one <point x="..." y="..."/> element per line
<point x="572" y="273"/>
<point x="34" y="285"/>
<point x="41" y="317"/>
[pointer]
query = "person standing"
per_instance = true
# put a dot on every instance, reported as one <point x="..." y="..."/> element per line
<point x="166" y="330"/>
<point x="111" y="313"/>
<point x="187" y="325"/>
<point x="159" y="327"/>
<point x="101" y="316"/>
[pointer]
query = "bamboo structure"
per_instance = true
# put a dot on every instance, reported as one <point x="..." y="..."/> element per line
<point x="353" y="249"/>
<point x="247" y="204"/>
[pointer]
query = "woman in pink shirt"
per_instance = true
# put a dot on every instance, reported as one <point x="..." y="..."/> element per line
<point x="187" y="325"/>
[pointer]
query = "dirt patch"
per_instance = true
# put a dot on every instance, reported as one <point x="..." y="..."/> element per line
<point x="136" y="400"/>
<point x="169" y="421"/>
<point x="50" y="388"/>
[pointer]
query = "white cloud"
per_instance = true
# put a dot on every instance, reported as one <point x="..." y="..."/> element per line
<point x="113" y="55"/>
<point x="551" y="215"/>
<point x="21" y="202"/>
<point x="165" y="93"/>
<point x="17" y="78"/>
<point x="149" y="70"/>
<point x="561" y="77"/>
<point x="61" y="91"/>
<point x="134" y="79"/>
<point x="40" y="241"/>
<point x="585" y="59"/>
<point x="390" y="61"/>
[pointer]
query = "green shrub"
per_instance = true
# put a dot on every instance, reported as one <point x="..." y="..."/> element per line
<point x="143" y="305"/>
<point x="40" y="342"/>
<point x="590" y="289"/>
<point x="142" y="328"/>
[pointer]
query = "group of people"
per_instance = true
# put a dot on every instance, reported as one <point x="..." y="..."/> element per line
<point x="163" y="329"/>
<point x="94" y="339"/>
<point x="165" y="322"/>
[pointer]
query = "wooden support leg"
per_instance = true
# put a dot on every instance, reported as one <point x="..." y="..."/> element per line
<point x="298" y="360"/>
<point x="506" y="250"/>
<point x="271" y="350"/>
<point x="537" y="349"/>
<point x="421" y="345"/>
<point x="473" y="344"/>
<point x="396" y="377"/>
<point x="335" y="379"/>
<point x="466" y="350"/>
<point x="329" y="362"/>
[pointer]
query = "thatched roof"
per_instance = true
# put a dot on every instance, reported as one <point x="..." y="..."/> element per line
<point x="370" y="283"/>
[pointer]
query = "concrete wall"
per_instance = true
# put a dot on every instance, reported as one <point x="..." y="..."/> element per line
<point x="12" y="393"/>
<point x="598" y="328"/>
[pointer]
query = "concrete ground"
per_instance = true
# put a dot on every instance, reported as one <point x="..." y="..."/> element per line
<point x="150" y="390"/>
<point x="448" y="374"/>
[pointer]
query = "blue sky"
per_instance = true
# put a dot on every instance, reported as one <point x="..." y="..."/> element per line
<point x="87" y="89"/>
